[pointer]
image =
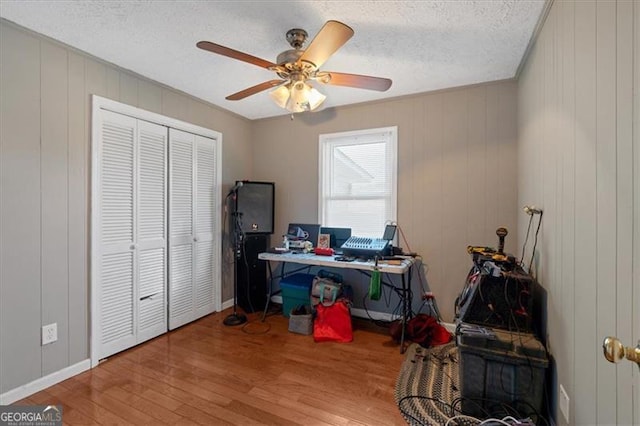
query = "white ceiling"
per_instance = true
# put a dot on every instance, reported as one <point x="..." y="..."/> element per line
<point x="420" y="45"/>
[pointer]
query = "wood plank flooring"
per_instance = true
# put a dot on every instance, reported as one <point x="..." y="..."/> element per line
<point x="208" y="373"/>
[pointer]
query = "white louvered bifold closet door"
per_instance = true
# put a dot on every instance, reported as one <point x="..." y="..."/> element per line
<point x="131" y="263"/>
<point x="192" y="169"/>
<point x="151" y="230"/>
<point x="205" y="249"/>
<point x="115" y="268"/>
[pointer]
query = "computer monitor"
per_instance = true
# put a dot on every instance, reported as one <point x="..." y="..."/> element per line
<point x="337" y="236"/>
<point x="304" y="231"/>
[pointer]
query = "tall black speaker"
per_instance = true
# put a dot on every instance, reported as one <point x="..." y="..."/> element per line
<point x="254" y="204"/>
<point x="252" y="273"/>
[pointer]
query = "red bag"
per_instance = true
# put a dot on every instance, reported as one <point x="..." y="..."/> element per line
<point x="426" y="331"/>
<point x="333" y="323"/>
<point x="422" y="329"/>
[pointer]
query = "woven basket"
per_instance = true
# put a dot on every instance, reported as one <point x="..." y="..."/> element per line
<point x="301" y="320"/>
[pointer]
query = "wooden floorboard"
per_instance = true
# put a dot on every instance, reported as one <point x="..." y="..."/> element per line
<point x="211" y="374"/>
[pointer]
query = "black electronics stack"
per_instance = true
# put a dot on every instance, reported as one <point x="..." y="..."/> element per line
<point x="497" y="291"/>
<point x="255" y="207"/>
<point x="502" y="362"/>
<point x="496" y="294"/>
<point x="501" y="373"/>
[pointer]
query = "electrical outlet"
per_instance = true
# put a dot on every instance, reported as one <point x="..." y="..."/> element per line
<point x="49" y="333"/>
<point x="564" y="403"/>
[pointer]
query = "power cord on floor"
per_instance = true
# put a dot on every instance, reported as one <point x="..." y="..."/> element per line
<point x="489" y="408"/>
<point x="406" y="414"/>
<point x="507" y="421"/>
<point x="249" y="327"/>
<point x="461" y="417"/>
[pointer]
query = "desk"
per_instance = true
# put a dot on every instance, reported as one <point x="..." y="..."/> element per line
<point x="404" y="270"/>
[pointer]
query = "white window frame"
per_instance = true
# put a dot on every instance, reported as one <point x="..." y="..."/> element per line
<point x="353" y="138"/>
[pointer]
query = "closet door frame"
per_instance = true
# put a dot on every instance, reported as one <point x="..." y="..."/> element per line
<point x="100" y="104"/>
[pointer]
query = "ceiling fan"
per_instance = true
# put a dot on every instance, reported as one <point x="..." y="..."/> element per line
<point x="297" y="66"/>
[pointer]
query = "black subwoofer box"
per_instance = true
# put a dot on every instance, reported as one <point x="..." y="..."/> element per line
<point x="252" y="273"/>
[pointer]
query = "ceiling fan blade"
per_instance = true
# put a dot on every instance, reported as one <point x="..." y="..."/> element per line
<point x="355" y="80"/>
<point x="331" y="37"/>
<point x="226" y="51"/>
<point x="255" y="89"/>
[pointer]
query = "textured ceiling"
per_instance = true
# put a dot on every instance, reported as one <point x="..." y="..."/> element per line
<point x="420" y="45"/>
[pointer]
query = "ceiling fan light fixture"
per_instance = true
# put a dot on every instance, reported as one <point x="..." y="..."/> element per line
<point x="293" y="106"/>
<point x="280" y="96"/>
<point x="299" y="92"/>
<point x="297" y="97"/>
<point x="315" y="99"/>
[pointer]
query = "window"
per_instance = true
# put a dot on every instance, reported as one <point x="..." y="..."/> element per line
<point x="358" y="174"/>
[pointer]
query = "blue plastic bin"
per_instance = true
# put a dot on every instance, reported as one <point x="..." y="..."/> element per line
<point x="296" y="290"/>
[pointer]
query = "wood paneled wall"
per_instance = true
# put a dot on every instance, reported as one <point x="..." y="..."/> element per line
<point x="579" y="159"/>
<point x="456" y="174"/>
<point x="45" y="145"/>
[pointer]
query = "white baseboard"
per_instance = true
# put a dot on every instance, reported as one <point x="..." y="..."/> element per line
<point x="451" y="327"/>
<point x="44" y="382"/>
<point x="360" y="313"/>
<point x="378" y="316"/>
<point x="276" y="299"/>
<point x="383" y="316"/>
<point x="375" y="315"/>
<point x="227" y="304"/>
<point x="67" y="372"/>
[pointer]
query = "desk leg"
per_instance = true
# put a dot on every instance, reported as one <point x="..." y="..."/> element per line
<point x="266" y="306"/>
<point x="407" y="302"/>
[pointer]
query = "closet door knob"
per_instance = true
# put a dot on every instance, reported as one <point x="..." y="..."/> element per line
<point x="132" y="246"/>
<point x="195" y="238"/>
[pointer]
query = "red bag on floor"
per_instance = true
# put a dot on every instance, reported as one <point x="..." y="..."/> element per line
<point x="422" y="329"/>
<point x="333" y="323"/>
<point x="426" y="331"/>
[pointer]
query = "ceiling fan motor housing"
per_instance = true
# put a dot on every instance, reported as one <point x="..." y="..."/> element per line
<point x="296" y="37"/>
<point x="289" y="57"/>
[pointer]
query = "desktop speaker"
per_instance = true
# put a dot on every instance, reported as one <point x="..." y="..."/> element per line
<point x="254" y="205"/>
